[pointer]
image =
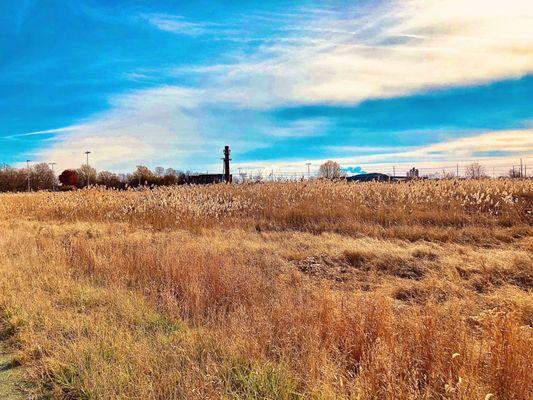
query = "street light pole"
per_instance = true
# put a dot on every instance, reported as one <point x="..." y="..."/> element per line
<point x="28" y="169"/>
<point x="53" y="176"/>
<point x="87" y="153"/>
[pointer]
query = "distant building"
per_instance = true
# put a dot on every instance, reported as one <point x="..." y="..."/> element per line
<point x="205" y="179"/>
<point x="412" y="173"/>
<point x="376" y="176"/>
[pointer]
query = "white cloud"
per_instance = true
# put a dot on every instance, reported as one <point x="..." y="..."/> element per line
<point x="300" y="128"/>
<point x="176" y="24"/>
<point x="395" y="49"/>
<point x="166" y="125"/>
<point x="367" y="149"/>
<point x="515" y="144"/>
<point x="142" y="127"/>
<point x="39" y="133"/>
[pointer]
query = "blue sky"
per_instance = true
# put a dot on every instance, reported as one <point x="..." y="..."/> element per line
<point x="170" y="82"/>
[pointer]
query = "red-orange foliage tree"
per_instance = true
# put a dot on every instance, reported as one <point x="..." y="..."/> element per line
<point x="69" y="177"/>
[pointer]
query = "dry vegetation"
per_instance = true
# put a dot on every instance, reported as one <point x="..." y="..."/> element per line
<point x="315" y="290"/>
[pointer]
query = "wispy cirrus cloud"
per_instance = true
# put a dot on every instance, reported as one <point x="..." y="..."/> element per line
<point x="366" y="149"/>
<point x="166" y="125"/>
<point x="512" y="145"/>
<point x="142" y="126"/>
<point x="393" y="49"/>
<point x="39" y="133"/>
<point x="177" y="24"/>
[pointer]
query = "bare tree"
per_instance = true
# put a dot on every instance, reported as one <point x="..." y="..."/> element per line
<point x="173" y="177"/>
<point x="86" y="173"/>
<point x="159" y="172"/>
<point x="42" y="177"/>
<point x="330" y="170"/>
<point x="142" y="176"/>
<point x="514" y="173"/>
<point x="12" y="179"/>
<point x="171" y="171"/>
<point x="475" y="171"/>
<point x="108" y="179"/>
<point x="447" y="174"/>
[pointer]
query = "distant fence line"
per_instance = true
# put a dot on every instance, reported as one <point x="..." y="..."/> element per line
<point x="433" y="172"/>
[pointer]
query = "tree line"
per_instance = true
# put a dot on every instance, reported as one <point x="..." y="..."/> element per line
<point x="41" y="177"/>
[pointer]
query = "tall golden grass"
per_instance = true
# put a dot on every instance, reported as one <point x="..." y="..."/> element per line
<point x="274" y="291"/>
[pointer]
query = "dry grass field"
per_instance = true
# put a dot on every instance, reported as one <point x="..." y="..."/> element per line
<point x="320" y="290"/>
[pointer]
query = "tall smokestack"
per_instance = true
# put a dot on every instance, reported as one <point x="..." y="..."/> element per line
<point x="227" y="174"/>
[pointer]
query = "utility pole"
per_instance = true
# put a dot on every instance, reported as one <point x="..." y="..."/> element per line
<point x="53" y="176"/>
<point x="521" y="173"/>
<point x="457" y="170"/>
<point x="28" y="169"/>
<point x="308" y="170"/>
<point x="394" y="171"/>
<point x="87" y="154"/>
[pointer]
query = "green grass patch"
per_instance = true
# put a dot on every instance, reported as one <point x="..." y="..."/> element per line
<point x="10" y="379"/>
<point x="260" y="382"/>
